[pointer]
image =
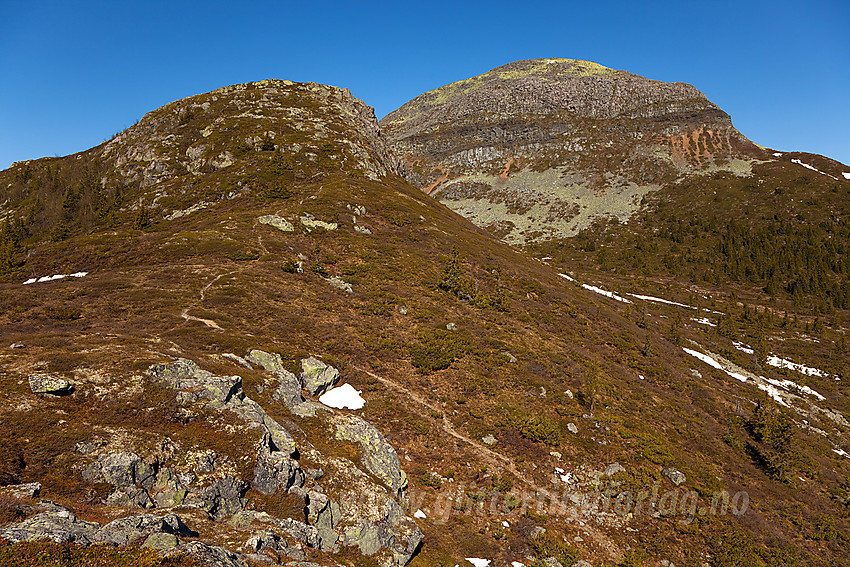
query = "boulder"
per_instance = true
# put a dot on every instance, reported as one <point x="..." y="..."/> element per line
<point x="270" y="362"/>
<point x="275" y="470"/>
<point x="59" y="525"/>
<point x="379" y="457"/>
<point x="211" y="555"/>
<point x="288" y="391"/>
<point x="43" y="384"/>
<point x="176" y="373"/>
<point x="124" y="531"/>
<point x="323" y="513"/>
<point x="277" y="222"/>
<point x="121" y="470"/>
<point x="613" y="469"/>
<point x="221" y="499"/>
<point x="300" y="531"/>
<point x="317" y="377"/>
<point x="571" y="427"/>
<point x="251" y="411"/>
<point x="676" y="476"/>
<point x="162" y="542"/>
<point x="267" y="539"/>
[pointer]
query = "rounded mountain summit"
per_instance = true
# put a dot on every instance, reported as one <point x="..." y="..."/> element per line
<point x="538" y="149"/>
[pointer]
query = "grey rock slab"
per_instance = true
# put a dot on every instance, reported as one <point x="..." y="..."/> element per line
<point x="44" y="384"/>
<point x="61" y="526"/>
<point x="212" y="555"/>
<point x="277" y="222"/>
<point x="271" y="362"/>
<point x="163" y="542"/>
<point x="613" y="469"/>
<point x="379" y="457"/>
<point x="316" y="376"/>
<point x="676" y="476"/>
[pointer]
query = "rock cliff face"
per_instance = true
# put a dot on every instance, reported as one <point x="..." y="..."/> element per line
<point x="538" y="149"/>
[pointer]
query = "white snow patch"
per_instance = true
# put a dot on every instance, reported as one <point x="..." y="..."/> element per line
<point x="774" y="360"/>
<point x="517" y="564"/>
<point x="777" y="154"/>
<point x="807" y="166"/>
<point x="846" y="174"/>
<point x="478" y="562"/>
<point x="606" y="293"/>
<point x="641" y="376"/>
<point x="668" y="302"/>
<point x="790" y="384"/>
<point x="743" y="348"/>
<point x="773" y="392"/>
<point x="343" y="397"/>
<point x="505" y="525"/>
<point x="705" y="358"/>
<point x="55" y="277"/>
<point x="841" y="452"/>
<point x="598" y="290"/>
<point x="559" y="470"/>
<point x="714" y="364"/>
<point x="419" y="514"/>
<point x="547" y="258"/>
<point x="565" y="478"/>
<point x="659" y="300"/>
<point x="704" y="321"/>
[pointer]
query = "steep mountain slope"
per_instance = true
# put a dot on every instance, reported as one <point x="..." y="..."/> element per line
<point x="224" y="257"/>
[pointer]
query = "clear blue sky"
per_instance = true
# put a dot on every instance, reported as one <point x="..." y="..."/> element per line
<point x="74" y="73"/>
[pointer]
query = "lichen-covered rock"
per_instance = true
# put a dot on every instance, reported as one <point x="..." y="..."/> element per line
<point x="251" y="411"/>
<point x="211" y="555"/>
<point x="121" y="470"/>
<point x="174" y="373"/>
<point x="162" y="542"/>
<point x="126" y="530"/>
<point x="316" y="376"/>
<point x="340" y="284"/>
<point x="288" y="391"/>
<point x="61" y="526"/>
<point x="277" y="222"/>
<point x="43" y="384"/>
<point x="676" y="476"/>
<point x="394" y="531"/>
<point x="224" y="392"/>
<point x="613" y="469"/>
<point x="379" y="457"/>
<point x="275" y="470"/>
<point x="300" y="531"/>
<point x="271" y="362"/>
<point x="311" y="222"/>
<point x="221" y="499"/>
<point x="323" y="513"/>
<point x="267" y="539"/>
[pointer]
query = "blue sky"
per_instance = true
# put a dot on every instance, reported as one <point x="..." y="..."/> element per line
<point x="74" y="73"/>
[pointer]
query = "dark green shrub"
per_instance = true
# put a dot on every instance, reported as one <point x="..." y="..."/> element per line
<point x="437" y="349"/>
<point x="549" y="545"/>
